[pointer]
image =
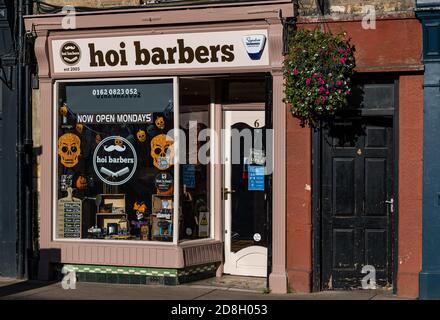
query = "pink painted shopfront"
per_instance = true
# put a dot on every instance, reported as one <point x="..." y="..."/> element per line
<point x="125" y="194"/>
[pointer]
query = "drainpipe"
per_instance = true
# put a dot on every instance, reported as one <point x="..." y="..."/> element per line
<point x="24" y="146"/>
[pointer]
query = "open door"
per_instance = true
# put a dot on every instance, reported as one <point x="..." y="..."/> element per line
<point x="244" y="193"/>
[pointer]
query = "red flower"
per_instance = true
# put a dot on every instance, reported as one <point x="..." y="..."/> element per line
<point x="343" y="59"/>
<point x="308" y="81"/>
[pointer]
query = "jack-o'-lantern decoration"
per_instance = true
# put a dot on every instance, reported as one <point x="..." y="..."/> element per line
<point x="119" y="142"/>
<point x="160" y="123"/>
<point x="81" y="182"/>
<point x="79" y="127"/>
<point x="98" y="138"/>
<point x="64" y="109"/>
<point x="69" y="149"/>
<point x="162" y="151"/>
<point x="140" y="207"/>
<point x="141" y="135"/>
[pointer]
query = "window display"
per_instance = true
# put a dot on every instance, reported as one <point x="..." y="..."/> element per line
<point x="195" y="171"/>
<point x="115" y="172"/>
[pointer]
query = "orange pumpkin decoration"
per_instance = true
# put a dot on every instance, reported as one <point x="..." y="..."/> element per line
<point x="81" y="182"/>
<point x="64" y="109"/>
<point x="79" y="127"/>
<point x="140" y="207"/>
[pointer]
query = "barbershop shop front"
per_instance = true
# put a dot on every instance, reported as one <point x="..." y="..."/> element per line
<point x="142" y="178"/>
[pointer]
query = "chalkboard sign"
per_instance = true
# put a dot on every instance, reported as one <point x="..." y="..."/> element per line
<point x="69" y="217"/>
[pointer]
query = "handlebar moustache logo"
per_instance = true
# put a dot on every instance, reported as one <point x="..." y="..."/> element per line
<point x="115" y="160"/>
<point x="70" y="53"/>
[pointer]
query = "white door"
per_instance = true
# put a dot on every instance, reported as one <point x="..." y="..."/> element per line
<point x="244" y="194"/>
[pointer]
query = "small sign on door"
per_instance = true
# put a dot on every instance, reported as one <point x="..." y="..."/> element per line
<point x="256" y="178"/>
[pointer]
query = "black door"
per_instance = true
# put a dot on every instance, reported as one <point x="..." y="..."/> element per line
<point x="357" y="185"/>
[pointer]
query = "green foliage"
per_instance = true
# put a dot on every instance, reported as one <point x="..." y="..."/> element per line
<point x="317" y="74"/>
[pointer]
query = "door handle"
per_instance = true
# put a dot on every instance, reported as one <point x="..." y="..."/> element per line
<point x="226" y="192"/>
<point x="391" y="203"/>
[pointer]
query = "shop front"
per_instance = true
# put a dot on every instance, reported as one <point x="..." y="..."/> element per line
<point x="163" y="143"/>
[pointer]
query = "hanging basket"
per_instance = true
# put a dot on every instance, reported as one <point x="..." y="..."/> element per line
<point x="317" y="72"/>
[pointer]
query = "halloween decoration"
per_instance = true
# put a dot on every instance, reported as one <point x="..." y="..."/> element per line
<point x="162" y="151"/>
<point x="141" y="135"/>
<point x="119" y="142"/>
<point x="79" y="127"/>
<point x="140" y="209"/>
<point x="160" y="123"/>
<point x="69" y="149"/>
<point x="81" y="182"/>
<point x="64" y="109"/>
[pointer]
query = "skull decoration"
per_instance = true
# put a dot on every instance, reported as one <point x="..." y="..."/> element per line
<point x="160" y="123"/>
<point x="69" y="149"/>
<point x="119" y="142"/>
<point x="141" y="135"/>
<point x="64" y="109"/>
<point x="162" y="151"/>
<point x="79" y="127"/>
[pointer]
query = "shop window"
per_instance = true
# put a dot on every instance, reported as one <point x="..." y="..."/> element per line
<point x="244" y="90"/>
<point x="195" y="170"/>
<point x="115" y="160"/>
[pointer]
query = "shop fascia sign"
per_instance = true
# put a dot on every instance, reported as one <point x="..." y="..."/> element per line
<point x="231" y="49"/>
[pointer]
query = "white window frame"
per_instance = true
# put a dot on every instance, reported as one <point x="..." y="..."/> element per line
<point x="55" y="181"/>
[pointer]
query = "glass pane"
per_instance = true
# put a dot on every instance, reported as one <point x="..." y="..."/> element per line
<point x="248" y="211"/>
<point x="195" y="169"/>
<point x="115" y="160"/>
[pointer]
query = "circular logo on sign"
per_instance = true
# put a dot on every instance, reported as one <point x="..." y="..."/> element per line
<point x="70" y="53"/>
<point x="163" y="181"/>
<point x="115" y="160"/>
<point x="257" y="237"/>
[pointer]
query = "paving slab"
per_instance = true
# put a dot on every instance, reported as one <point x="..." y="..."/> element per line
<point x="35" y="290"/>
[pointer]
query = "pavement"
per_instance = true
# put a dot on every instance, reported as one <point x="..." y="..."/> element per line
<point x="11" y="289"/>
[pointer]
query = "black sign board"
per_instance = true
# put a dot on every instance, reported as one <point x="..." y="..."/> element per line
<point x="164" y="182"/>
<point x="69" y="217"/>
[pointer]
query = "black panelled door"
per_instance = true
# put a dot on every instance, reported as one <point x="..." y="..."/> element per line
<point x="357" y="194"/>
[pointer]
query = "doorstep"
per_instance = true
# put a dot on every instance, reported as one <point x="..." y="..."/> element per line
<point x="232" y="283"/>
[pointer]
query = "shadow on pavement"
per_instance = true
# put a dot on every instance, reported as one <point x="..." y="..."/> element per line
<point x="23" y="286"/>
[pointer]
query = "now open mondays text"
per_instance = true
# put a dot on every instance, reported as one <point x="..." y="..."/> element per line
<point x="113" y="118"/>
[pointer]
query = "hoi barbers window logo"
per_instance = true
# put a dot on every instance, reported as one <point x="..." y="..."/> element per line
<point x="70" y="53"/>
<point x="115" y="160"/>
<point x="254" y="45"/>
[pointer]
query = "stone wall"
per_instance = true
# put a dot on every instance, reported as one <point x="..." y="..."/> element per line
<point x="309" y="7"/>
